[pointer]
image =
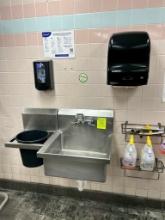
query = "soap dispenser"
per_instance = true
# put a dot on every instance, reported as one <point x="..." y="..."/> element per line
<point x="128" y="59"/>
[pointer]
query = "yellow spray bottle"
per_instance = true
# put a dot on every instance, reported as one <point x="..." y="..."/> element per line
<point x="130" y="154"/>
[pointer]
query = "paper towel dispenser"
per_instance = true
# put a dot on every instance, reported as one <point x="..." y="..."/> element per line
<point x="128" y="59"/>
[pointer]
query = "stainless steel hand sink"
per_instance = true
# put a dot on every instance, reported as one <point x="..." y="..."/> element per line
<point x="81" y="145"/>
<point x="80" y="148"/>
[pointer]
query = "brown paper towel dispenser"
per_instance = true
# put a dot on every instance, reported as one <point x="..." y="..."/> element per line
<point x="128" y="59"/>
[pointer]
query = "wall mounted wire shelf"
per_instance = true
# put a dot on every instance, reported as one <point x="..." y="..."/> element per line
<point x="140" y="131"/>
<point x="154" y="175"/>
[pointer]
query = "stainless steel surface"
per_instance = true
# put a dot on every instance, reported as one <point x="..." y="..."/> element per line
<point x="87" y="112"/>
<point x="15" y="144"/>
<point x="80" y="150"/>
<point x="77" y="168"/>
<point x="42" y="119"/>
<point x="36" y="118"/>
<point x="76" y="148"/>
<point x="78" y="145"/>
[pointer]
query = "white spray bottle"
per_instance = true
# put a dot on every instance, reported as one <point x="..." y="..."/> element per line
<point x="147" y="161"/>
<point x="130" y="154"/>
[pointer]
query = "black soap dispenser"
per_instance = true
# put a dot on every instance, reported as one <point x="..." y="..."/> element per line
<point x="128" y="59"/>
<point x="43" y="74"/>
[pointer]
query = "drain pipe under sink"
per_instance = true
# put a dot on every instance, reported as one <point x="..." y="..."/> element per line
<point x="81" y="184"/>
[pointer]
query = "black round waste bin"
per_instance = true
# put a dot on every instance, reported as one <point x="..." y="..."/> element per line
<point x="29" y="157"/>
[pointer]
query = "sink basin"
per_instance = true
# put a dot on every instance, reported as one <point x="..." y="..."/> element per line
<point x="79" y="149"/>
<point x="83" y="145"/>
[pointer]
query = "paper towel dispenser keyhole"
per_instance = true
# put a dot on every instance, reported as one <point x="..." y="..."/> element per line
<point x="128" y="59"/>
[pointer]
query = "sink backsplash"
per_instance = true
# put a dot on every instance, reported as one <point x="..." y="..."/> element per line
<point x="21" y="43"/>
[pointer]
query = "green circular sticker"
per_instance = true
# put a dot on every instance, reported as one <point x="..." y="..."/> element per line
<point x="83" y="77"/>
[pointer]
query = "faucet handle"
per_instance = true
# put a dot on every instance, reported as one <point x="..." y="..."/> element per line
<point x="90" y="121"/>
<point x="79" y="119"/>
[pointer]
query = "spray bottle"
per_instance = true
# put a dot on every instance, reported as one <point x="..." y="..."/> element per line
<point x="130" y="154"/>
<point x="147" y="161"/>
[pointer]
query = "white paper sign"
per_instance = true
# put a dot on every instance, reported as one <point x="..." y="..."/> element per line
<point x="59" y="44"/>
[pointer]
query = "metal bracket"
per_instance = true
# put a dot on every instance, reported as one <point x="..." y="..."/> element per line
<point x="158" y="169"/>
<point x="140" y="131"/>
